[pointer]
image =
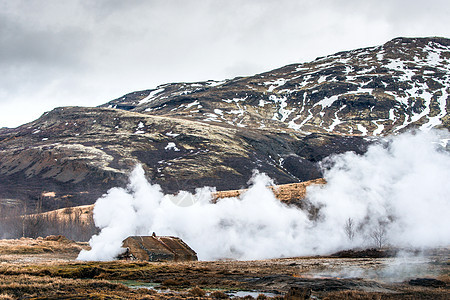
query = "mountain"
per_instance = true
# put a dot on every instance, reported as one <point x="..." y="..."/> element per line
<point x="189" y="135"/>
<point x="371" y="91"/>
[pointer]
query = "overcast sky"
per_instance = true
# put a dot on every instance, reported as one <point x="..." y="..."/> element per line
<point x="60" y="53"/>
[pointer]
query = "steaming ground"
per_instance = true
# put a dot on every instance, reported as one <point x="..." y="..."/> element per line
<point x="397" y="193"/>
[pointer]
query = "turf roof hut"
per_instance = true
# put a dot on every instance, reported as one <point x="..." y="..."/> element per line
<point x="157" y="248"/>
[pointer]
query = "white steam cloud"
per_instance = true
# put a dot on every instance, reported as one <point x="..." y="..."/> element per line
<point x="398" y="193"/>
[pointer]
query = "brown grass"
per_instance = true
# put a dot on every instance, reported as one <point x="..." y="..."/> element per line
<point x="196" y="292"/>
<point x="176" y="282"/>
<point x="407" y="293"/>
<point x="116" y="270"/>
<point x="52" y="244"/>
<point x="24" y="286"/>
<point x="444" y="277"/>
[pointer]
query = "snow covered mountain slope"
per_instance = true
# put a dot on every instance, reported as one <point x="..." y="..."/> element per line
<point x="379" y="90"/>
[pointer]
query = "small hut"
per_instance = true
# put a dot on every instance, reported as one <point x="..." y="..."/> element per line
<point x="157" y="248"/>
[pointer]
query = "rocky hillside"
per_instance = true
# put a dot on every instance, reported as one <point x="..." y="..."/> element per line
<point x="71" y="156"/>
<point x="189" y="135"/>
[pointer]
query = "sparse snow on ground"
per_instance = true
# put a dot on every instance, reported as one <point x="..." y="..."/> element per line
<point x="151" y="96"/>
<point x="171" y="146"/>
<point x="282" y="111"/>
<point x="275" y="84"/>
<point x="172" y="134"/>
<point x="362" y="129"/>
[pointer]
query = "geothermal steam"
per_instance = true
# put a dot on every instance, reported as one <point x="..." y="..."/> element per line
<point x="397" y="193"/>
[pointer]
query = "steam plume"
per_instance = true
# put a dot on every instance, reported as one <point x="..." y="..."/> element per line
<point x="399" y="189"/>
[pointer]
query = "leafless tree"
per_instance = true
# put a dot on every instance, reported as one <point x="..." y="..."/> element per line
<point x="34" y="226"/>
<point x="379" y="235"/>
<point x="350" y="229"/>
<point x="10" y="223"/>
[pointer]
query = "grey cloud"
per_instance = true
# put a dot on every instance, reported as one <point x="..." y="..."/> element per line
<point x="25" y="45"/>
<point x="97" y="50"/>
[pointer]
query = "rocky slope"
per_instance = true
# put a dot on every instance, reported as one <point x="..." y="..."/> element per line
<point x="189" y="135"/>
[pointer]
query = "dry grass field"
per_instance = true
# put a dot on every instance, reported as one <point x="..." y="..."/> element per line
<point x="47" y="269"/>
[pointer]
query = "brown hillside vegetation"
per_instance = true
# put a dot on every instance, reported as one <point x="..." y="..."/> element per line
<point x="77" y="222"/>
<point x="287" y="193"/>
<point x="83" y="213"/>
<point x="291" y="193"/>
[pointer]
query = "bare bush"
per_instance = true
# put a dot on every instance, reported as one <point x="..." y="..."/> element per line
<point x="14" y="223"/>
<point x="350" y="229"/>
<point x="33" y="226"/>
<point x="11" y="223"/>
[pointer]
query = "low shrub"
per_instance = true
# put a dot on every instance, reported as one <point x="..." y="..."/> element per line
<point x="196" y="292"/>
